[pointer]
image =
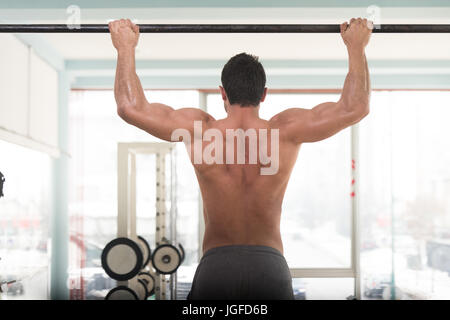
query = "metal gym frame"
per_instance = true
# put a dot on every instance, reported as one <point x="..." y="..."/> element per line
<point x="221" y="28"/>
<point x="126" y="191"/>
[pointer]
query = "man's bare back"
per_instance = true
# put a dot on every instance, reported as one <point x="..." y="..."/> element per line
<point x="242" y="206"/>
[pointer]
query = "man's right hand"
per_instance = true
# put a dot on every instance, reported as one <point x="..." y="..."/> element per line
<point x="124" y="34"/>
<point x="357" y="33"/>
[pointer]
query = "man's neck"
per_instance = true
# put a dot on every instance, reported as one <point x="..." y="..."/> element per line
<point x="243" y="112"/>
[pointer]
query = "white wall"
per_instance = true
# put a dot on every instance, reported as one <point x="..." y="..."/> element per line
<point x="13" y="85"/>
<point x="43" y="94"/>
<point x="28" y="97"/>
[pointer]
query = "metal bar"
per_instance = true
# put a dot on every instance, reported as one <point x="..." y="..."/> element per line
<point x="392" y="208"/>
<point x="355" y="210"/>
<point x="221" y="28"/>
<point x="165" y="279"/>
<point x="122" y="195"/>
<point x="173" y="217"/>
<point x="131" y="205"/>
<point x="122" y="190"/>
<point x="203" y="104"/>
<point x="160" y="279"/>
<point x="132" y="220"/>
<point x="322" y="273"/>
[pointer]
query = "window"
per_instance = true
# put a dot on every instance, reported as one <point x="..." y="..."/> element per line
<point x="323" y="288"/>
<point x="96" y="129"/>
<point x="404" y="193"/>
<point x="24" y="214"/>
<point x="405" y="196"/>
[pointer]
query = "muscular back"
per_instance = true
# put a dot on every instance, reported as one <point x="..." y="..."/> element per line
<point x="242" y="206"/>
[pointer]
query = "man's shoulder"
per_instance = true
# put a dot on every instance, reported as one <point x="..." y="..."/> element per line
<point x="286" y="116"/>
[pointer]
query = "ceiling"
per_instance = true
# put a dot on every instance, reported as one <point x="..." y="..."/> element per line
<point x="266" y="46"/>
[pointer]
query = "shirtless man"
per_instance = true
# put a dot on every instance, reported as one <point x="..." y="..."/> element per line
<point x="243" y="251"/>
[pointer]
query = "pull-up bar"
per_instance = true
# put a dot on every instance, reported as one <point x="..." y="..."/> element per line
<point x="221" y="28"/>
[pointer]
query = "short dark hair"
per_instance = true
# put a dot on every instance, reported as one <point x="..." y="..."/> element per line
<point x="244" y="79"/>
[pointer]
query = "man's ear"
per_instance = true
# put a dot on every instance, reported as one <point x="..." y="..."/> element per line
<point x="264" y="95"/>
<point x="223" y="93"/>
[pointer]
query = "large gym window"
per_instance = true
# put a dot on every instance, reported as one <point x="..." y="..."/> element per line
<point x="24" y="222"/>
<point x="403" y="153"/>
<point x="405" y="196"/>
<point x="404" y="188"/>
<point x="95" y="131"/>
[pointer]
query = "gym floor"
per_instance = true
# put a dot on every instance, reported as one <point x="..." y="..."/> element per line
<point x="366" y="213"/>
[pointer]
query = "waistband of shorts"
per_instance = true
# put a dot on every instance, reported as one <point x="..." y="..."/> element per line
<point x="242" y="249"/>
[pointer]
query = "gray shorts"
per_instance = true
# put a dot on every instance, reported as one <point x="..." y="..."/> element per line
<point x="242" y="272"/>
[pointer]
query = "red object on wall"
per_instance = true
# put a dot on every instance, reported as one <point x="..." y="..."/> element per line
<point x="352" y="194"/>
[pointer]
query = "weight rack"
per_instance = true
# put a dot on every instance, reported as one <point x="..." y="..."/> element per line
<point x="126" y="217"/>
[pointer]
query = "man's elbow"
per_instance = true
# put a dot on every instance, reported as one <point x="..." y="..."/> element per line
<point x="360" y="111"/>
<point x="365" y="110"/>
<point x="124" y="111"/>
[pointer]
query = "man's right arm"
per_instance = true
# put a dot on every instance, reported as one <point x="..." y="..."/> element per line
<point x="157" y="119"/>
<point x="310" y="125"/>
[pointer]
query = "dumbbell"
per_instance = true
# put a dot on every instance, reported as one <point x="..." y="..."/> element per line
<point x="146" y="251"/>
<point x="121" y="293"/>
<point x="166" y="258"/>
<point x="136" y="291"/>
<point x="181" y="252"/>
<point x="2" y="181"/>
<point x="123" y="258"/>
<point x="149" y="280"/>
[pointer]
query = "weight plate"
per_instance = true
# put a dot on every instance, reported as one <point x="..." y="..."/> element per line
<point x="149" y="280"/>
<point x="166" y="259"/>
<point x="147" y="253"/>
<point x="140" y="287"/>
<point x="122" y="259"/>
<point x="121" y="293"/>
<point x="181" y="252"/>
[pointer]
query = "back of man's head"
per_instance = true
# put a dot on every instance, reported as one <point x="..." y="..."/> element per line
<point x="244" y="80"/>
